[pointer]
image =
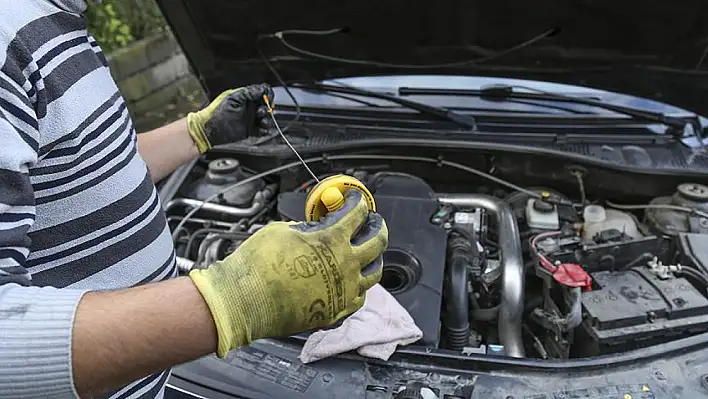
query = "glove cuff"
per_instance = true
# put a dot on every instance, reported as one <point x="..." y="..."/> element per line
<point x="195" y="126"/>
<point x="230" y="321"/>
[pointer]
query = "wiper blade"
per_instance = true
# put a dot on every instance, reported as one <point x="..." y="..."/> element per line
<point x="507" y="92"/>
<point x="441" y="113"/>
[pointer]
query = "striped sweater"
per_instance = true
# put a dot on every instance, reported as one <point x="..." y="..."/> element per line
<point x="78" y="208"/>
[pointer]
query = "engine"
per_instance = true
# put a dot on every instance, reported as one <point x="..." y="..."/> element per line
<point x="527" y="272"/>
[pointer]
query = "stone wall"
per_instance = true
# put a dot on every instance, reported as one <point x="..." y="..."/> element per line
<point x="155" y="79"/>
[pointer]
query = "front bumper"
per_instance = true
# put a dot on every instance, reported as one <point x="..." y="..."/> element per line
<point x="270" y="369"/>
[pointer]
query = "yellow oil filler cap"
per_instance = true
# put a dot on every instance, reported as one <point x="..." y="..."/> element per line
<point x="328" y="196"/>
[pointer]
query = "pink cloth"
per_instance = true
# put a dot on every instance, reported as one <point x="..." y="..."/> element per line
<point x="374" y="331"/>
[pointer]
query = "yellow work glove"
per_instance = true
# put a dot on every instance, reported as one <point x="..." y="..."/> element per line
<point x="230" y="117"/>
<point x="291" y="277"/>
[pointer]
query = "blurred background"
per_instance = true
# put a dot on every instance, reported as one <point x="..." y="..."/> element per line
<point x="152" y="73"/>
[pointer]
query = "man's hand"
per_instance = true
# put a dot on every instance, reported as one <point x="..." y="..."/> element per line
<point x="292" y="277"/>
<point x="230" y="117"/>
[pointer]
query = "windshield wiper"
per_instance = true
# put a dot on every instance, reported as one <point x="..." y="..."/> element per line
<point x="506" y="92"/>
<point x="441" y="113"/>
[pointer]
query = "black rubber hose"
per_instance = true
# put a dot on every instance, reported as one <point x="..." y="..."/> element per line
<point x="574" y="316"/>
<point x="456" y="326"/>
<point x="484" y="314"/>
<point x="695" y="274"/>
<point x="463" y="233"/>
<point x="492" y="314"/>
<point x="553" y="322"/>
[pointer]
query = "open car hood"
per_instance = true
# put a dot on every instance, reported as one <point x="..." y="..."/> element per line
<point x="655" y="50"/>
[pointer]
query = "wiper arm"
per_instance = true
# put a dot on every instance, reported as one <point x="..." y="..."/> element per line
<point x="507" y="92"/>
<point x="441" y="113"/>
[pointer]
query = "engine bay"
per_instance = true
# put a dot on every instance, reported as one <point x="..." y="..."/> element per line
<point x="488" y="267"/>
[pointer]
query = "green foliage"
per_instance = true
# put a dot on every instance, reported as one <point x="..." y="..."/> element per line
<point x="118" y="23"/>
<point x="107" y="27"/>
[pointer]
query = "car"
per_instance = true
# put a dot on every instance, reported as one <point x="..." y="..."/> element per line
<point x="541" y="167"/>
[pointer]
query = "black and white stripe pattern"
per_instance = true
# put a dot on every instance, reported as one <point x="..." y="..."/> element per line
<point x="151" y="387"/>
<point x="78" y="209"/>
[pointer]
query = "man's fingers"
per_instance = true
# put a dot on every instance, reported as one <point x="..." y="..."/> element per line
<point x="375" y="270"/>
<point x="271" y="94"/>
<point x="251" y="94"/>
<point x="351" y="216"/>
<point x="223" y="95"/>
<point x="265" y="127"/>
<point x="262" y="113"/>
<point x="368" y="247"/>
<point x="346" y="221"/>
<point x="372" y="239"/>
<point x="257" y="91"/>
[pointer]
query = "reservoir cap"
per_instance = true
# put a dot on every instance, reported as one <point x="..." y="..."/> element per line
<point x="328" y="196"/>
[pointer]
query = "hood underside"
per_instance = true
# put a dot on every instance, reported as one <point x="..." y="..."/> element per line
<point x="655" y="50"/>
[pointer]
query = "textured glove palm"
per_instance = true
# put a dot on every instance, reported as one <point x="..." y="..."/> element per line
<point x="230" y="116"/>
<point x="292" y="277"/>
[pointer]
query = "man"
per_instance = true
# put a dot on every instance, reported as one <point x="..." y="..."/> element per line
<point x="80" y="222"/>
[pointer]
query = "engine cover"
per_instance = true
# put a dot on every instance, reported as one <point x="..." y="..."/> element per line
<point x="414" y="263"/>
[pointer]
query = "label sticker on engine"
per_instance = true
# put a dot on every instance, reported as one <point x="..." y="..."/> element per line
<point x="633" y="391"/>
<point x="286" y="373"/>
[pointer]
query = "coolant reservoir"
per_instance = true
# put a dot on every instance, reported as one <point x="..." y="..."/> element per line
<point x="598" y="219"/>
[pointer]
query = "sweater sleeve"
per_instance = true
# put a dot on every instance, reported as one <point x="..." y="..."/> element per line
<point x="35" y="322"/>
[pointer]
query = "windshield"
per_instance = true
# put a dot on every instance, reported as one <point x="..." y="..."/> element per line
<point x="392" y="83"/>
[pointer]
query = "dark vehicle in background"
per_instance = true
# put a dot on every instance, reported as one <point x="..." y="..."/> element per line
<point x="541" y="166"/>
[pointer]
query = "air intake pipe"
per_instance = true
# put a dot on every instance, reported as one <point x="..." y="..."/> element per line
<point x="512" y="300"/>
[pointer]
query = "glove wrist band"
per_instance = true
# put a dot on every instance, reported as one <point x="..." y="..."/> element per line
<point x="230" y="321"/>
<point x="196" y="132"/>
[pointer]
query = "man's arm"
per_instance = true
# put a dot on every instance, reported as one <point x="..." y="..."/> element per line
<point x="167" y="148"/>
<point x="124" y="335"/>
<point x="116" y="338"/>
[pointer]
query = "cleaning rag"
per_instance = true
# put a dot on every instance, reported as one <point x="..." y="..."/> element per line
<point x="374" y="331"/>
